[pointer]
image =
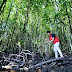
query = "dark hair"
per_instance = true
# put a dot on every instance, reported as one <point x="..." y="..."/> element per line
<point x="48" y="31"/>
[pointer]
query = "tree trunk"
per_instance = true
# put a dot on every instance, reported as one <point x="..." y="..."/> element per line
<point x="3" y="8"/>
<point x="69" y="20"/>
<point x="26" y="17"/>
<point x="4" y="1"/>
<point x="8" y="15"/>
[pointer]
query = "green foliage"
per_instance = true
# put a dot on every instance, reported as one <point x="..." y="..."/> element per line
<point x="37" y="16"/>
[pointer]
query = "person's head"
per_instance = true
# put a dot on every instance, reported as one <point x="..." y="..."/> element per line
<point x="49" y="33"/>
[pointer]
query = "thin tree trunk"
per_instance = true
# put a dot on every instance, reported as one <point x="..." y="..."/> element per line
<point x="25" y="24"/>
<point x="26" y="17"/>
<point x="64" y="31"/>
<point x="3" y="8"/>
<point x="69" y="19"/>
<point x="8" y="15"/>
<point x="4" y="1"/>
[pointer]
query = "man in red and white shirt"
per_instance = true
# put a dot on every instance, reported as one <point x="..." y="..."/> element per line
<point x="53" y="38"/>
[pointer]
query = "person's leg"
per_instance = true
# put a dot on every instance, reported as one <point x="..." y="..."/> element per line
<point x="58" y="49"/>
<point x="56" y="54"/>
<point x="55" y="50"/>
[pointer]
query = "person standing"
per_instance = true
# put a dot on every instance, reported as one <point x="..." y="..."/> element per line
<point x="53" y="38"/>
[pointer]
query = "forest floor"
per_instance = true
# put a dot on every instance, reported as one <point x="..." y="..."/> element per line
<point x="50" y="64"/>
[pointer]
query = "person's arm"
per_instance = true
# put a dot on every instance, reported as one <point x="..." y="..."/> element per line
<point x="53" y="36"/>
<point x="51" y="40"/>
